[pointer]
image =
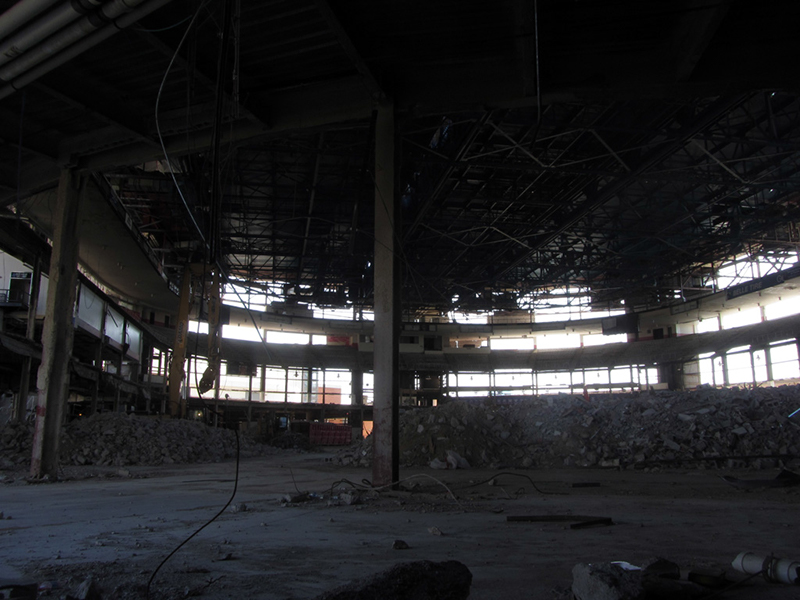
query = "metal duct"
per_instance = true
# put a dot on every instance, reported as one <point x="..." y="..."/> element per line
<point x="37" y="31"/>
<point x="66" y="37"/>
<point x="81" y="46"/>
<point x="22" y="12"/>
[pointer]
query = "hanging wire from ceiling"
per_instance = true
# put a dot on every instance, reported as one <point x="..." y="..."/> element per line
<point x="189" y="211"/>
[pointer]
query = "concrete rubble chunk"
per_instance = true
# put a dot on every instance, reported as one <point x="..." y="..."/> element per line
<point x="88" y="590"/>
<point x="349" y="498"/>
<point x="661" y="567"/>
<point x="606" y="581"/>
<point x="420" y="580"/>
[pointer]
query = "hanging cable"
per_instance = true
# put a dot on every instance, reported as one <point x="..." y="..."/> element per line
<point x="204" y="525"/>
<point x="216" y="192"/>
<point x="158" y="124"/>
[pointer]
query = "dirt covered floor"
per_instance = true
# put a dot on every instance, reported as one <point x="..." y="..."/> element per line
<point x="116" y="525"/>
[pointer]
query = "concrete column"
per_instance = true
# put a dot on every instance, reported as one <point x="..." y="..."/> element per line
<point x="58" y="332"/>
<point x="385" y="462"/>
<point x="98" y="363"/>
<point x="768" y="359"/>
<point x="725" y="379"/>
<point x="357" y="413"/>
<point x="30" y="333"/>
<point x="249" y="397"/>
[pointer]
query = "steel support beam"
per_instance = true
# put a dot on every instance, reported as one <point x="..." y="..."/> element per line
<point x="387" y="284"/>
<point x="57" y="336"/>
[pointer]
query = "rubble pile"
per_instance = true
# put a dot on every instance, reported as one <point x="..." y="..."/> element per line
<point x="704" y="428"/>
<point x="16" y="440"/>
<point x="116" y="439"/>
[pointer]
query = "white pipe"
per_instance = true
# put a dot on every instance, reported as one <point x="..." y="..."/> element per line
<point x="43" y="27"/>
<point x="22" y="12"/>
<point x="81" y="47"/>
<point x="66" y="37"/>
<point x="780" y="570"/>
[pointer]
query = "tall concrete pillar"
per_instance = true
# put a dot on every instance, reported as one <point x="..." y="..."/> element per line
<point x="357" y="412"/>
<point x="385" y="461"/>
<point x="30" y="333"/>
<point x="57" y="335"/>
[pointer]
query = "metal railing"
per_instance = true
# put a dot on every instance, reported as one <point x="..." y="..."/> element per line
<point x="14" y="298"/>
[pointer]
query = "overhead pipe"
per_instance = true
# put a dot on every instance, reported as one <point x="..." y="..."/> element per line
<point x="22" y="12"/>
<point x="40" y="29"/>
<point x="67" y="36"/>
<point x="81" y="46"/>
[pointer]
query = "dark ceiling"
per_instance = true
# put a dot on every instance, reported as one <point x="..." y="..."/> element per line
<point x="621" y="146"/>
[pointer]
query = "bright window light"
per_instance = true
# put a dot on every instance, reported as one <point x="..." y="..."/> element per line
<point x="511" y="343"/>
<point x="248" y="334"/>
<point x="284" y="337"/>
<point x="198" y="327"/>
<point x="707" y="325"/>
<point x="783" y="308"/>
<point x="554" y="341"/>
<point x="748" y="316"/>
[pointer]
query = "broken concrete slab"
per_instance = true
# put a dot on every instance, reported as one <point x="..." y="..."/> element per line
<point x="419" y="580"/>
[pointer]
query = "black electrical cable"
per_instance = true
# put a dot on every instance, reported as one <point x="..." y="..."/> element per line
<point x="533" y="483"/>
<point x="206" y="524"/>
<point x="735" y="584"/>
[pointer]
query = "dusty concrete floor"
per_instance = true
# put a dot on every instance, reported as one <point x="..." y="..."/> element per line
<point x="118" y="528"/>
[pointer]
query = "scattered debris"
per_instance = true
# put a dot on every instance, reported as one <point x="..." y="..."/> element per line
<point x="663" y="568"/>
<point x="456" y="461"/>
<point x="420" y="580"/>
<point x="577" y="521"/>
<point x="349" y="498"/>
<point x="783" y="479"/>
<point x="200" y="589"/>
<point x="710" y="578"/>
<point x="606" y="581"/>
<point x="296" y="498"/>
<point x="88" y="590"/>
<point x="223" y="557"/>
<point x="22" y="590"/>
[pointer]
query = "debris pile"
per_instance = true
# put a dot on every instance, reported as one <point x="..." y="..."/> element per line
<point x="16" y="440"/>
<point x="422" y="580"/>
<point x="116" y="439"/>
<point x="704" y="428"/>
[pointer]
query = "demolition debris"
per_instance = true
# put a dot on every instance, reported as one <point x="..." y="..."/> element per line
<point x="705" y="428"/>
<point x="116" y="439"/>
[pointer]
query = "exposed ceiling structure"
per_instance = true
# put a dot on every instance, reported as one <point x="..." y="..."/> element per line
<point x="616" y="146"/>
